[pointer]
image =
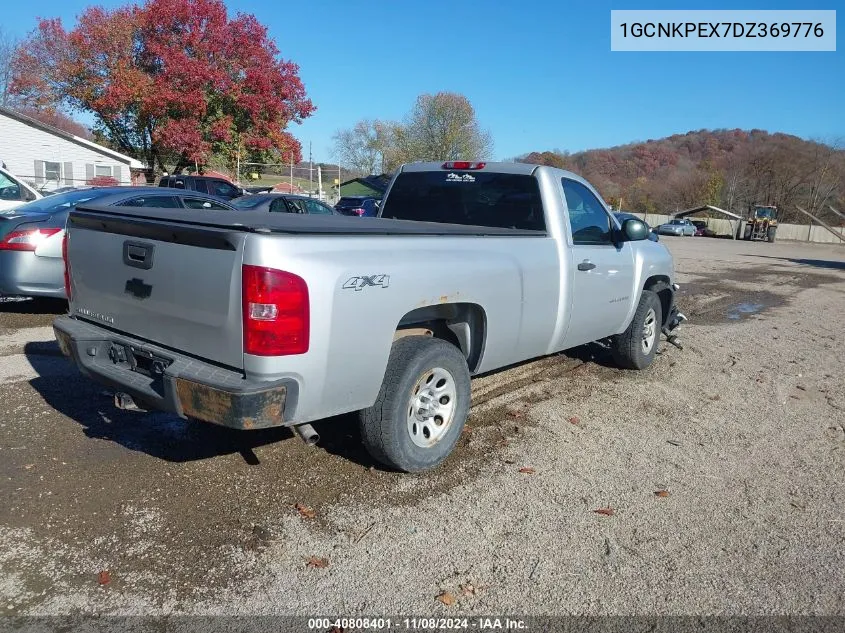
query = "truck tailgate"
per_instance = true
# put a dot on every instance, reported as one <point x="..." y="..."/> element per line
<point x="173" y="284"/>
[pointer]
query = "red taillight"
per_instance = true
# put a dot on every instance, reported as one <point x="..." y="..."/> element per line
<point x="463" y="164"/>
<point x="357" y="211"/>
<point x="276" y="312"/>
<point x="67" y="266"/>
<point x="25" y="240"/>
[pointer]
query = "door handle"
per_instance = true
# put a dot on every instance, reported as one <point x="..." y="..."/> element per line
<point x="586" y="265"/>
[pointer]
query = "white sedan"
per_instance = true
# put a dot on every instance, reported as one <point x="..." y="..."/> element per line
<point x="677" y="227"/>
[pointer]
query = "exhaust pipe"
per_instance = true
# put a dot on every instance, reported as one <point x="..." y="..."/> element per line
<point x="307" y="433"/>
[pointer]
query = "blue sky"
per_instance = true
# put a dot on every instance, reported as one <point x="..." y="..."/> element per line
<point x="540" y="74"/>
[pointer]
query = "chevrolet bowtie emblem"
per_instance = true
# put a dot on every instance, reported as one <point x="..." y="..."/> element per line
<point x="138" y="288"/>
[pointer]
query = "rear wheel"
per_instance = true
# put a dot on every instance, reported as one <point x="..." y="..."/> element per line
<point x="635" y="347"/>
<point x="422" y="405"/>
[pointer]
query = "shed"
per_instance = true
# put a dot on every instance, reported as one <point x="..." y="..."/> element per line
<point x="372" y="186"/>
<point x="709" y="207"/>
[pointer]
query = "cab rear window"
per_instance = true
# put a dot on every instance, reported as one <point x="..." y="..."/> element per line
<point x="467" y="197"/>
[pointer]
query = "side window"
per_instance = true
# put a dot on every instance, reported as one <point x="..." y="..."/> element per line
<point x="199" y="185"/>
<point x="223" y="189"/>
<point x="201" y="203"/>
<point x="9" y="189"/>
<point x="296" y="205"/>
<point x="588" y="220"/>
<point x="279" y="206"/>
<point x="317" y="208"/>
<point x="160" y="202"/>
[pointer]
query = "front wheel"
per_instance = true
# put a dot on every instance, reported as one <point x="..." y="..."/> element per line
<point x="635" y="347"/>
<point x="421" y="407"/>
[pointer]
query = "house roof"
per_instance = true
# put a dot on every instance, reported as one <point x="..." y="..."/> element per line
<point x="706" y="207"/>
<point x="379" y="183"/>
<point x="132" y="162"/>
<point x="285" y="187"/>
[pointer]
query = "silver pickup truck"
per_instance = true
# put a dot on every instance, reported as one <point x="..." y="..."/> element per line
<point x="252" y="320"/>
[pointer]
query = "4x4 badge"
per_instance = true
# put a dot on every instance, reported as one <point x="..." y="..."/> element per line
<point x="359" y="283"/>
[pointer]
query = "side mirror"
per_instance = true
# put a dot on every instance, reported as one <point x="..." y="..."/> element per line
<point x="634" y="230"/>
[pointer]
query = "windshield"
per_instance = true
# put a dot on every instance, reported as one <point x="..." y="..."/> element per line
<point x="61" y="201"/>
<point x="473" y="198"/>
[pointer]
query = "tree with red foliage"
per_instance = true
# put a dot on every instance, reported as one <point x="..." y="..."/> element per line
<point x="168" y="81"/>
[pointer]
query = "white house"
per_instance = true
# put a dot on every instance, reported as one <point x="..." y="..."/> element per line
<point x="49" y="158"/>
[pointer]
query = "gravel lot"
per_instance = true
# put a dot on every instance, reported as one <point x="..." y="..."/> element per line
<point x="743" y="429"/>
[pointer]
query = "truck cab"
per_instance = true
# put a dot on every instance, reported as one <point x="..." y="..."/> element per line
<point x="211" y="185"/>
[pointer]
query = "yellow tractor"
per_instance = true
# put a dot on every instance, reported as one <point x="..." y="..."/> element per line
<point x="761" y="223"/>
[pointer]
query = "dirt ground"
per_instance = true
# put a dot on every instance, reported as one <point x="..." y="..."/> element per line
<point x="718" y="471"/>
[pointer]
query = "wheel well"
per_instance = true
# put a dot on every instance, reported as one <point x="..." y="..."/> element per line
<point x="660" y="284"/>
<point x="463" y="325"/>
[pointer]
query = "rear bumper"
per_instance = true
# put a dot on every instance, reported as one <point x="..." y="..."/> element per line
<point x="164" y="380"/>
<point x="23" y="273"/>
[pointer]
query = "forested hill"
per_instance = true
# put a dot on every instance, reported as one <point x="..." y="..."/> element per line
<point x="727" y="168"/>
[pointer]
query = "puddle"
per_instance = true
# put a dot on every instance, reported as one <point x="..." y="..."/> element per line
<point x="744" y="309"/>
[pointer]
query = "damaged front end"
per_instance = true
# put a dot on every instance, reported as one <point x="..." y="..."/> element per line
<point x="673" y="321"/>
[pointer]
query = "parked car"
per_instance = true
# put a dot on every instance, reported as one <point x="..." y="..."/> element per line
<point x="14" y="192"/>
<point x="211" y="185"/>
<point x="702" y="230"/>
<point x="31" y="235"/>
<point x="282" y="203"/>
<point x="362" y="206"/>
<point x="282" y="320"/>
<point x="622" y="216"/>
<point x="677" y="227"/>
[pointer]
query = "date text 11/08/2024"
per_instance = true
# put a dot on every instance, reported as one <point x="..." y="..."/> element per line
<point x="417" y="624"/>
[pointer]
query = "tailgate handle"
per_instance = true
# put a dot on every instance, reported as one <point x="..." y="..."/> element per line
<point x="138" y="255"/>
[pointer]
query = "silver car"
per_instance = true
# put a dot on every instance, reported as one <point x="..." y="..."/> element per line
<point x="677" y="227"/>
<point x="31" y="235"/>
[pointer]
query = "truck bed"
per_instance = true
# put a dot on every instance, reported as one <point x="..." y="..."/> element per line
<point x="91" y="215"/>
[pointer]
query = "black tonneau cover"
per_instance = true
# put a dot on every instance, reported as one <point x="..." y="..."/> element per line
<point x="89" y="214"/>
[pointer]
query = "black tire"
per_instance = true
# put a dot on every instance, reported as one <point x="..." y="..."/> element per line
<point x="628" y="347"/>
<point x="385" y="426"/>
<point x="770" y="234"/>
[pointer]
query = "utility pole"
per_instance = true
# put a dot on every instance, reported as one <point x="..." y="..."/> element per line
<point x="319" y="183"/>
<point x="310" y="171"/>
<point x="291" y="174"/>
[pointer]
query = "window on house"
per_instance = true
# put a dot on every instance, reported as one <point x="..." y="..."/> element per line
<point x="52" y="171"/>
<point x="103" y="170"/>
